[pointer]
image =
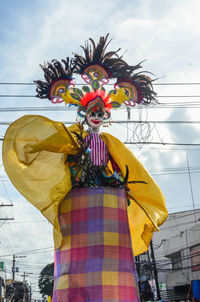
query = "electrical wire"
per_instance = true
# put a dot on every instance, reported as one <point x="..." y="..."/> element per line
<point x="119" y="121"/>
<point x="152" y="143"/>
<point x="160" y="143"/>
<point x="181" y="259"/>
<point x="158" y="171"/>
<point x="22" y="222"/>
<point x="125" y="122"/>
<point x="8" y="195"/>
<point x="29" y="251"/>
<point x="177" y="105"/>
<point x="149" y="148"/>
<point x="33" y="96"/>
<point x="171" y="216"/>
<point x="157" y="84"/>
<point x="174" y="250"/>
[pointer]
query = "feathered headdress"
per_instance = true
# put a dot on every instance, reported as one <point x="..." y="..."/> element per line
<point x="58" y="78"/>
<point x="96" y="67"/>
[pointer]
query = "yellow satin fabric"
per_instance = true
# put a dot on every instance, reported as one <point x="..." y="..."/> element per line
<point x="147" y="210"/>
<point x="35" y="149"/>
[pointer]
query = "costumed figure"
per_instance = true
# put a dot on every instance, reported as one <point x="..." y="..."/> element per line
<point x="103" y="204"/>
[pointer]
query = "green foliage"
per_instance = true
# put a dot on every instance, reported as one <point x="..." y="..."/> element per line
<point x="45" y="281"/>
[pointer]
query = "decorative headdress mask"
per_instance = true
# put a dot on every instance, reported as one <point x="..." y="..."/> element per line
<point x="96" y="67"/>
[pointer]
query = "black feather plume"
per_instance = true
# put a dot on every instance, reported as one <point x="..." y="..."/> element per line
<point x="52" y="71"/>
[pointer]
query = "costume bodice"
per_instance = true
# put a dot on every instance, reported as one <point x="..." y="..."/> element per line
<point x="98" y="150"/>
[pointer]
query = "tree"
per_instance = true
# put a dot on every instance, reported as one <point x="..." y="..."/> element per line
<point x="46" y="279"/>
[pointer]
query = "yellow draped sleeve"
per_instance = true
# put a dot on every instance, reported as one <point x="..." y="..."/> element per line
<point x="34" y="154"/>
<point x="148" y="210"/>
<point x="35" y="149"/>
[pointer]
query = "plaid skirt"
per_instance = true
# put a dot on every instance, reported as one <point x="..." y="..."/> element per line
<point x="95" y="261"/>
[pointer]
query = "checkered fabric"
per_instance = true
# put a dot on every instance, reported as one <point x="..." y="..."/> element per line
<point x="95" y="262"/>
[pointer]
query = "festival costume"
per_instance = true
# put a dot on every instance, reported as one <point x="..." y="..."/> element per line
<point x="78" y="181"/>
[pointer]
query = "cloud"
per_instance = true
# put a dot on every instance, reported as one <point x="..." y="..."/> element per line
<point x="181" y="132"/>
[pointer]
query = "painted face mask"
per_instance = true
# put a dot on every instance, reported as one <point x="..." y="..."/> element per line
<point x="95" y="119"/>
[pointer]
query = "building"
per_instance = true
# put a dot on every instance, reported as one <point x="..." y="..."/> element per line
<point x="2" y="281"/>
<point x="177" y="251"/>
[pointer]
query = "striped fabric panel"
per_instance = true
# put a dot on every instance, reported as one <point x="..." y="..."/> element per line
<point x="99" y="153"/>
<point x="95" y="262"/>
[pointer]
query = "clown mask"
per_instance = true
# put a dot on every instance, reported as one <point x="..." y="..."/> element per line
<point x="95" y="119"/>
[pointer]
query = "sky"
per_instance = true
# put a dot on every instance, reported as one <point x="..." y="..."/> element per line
<point x="164" y="33"/>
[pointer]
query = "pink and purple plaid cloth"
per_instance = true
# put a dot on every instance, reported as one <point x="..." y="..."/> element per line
<point x="95" y="261"/>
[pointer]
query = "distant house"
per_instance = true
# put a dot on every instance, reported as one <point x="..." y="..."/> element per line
<point x="177" y="253"/>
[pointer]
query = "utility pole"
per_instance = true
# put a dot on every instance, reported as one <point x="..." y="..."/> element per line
<point x="13" y="266"/>
<point x="25" y="275"/>
<point x="30" y="293"/>
<point x="149" y="260"/>
<point x="137" y="258"/>
<point x="26" y="287"/>
<point x="155" y="272"/>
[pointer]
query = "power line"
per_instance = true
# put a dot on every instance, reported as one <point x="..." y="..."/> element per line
<point x="178" y="96"/>
<point x="155" y="84"/>
<point x="179" y="217"/>
<point x="177" y="225"/>
<point x="110" y="122"/>
<point x="153" y="148"/>
<point x="175" y="84"/>
<point x="164" y="149"/>
<point x="158" y="96"/>
<point x="34" y="221"/>
<point x="182" y="258"/>
<point x="154" y="122"/>
<point x="166" y="171"/>
<point x="181" y="268"/>
<point x="174" y="169"/>
<point x="16" y="83"/>
<point x="174" y="250"/>
<point x="161" y="143"/>
<point x="177" y="105"/>
<point x="188" y="206"/>
<point x="18" y="109"/>
<point x="16" y="96"/>
<point x="29" y="251"/>
<point x="151" y="143"/>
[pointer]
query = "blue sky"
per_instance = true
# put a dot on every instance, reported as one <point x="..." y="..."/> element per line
<point x="166" y="33"/>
